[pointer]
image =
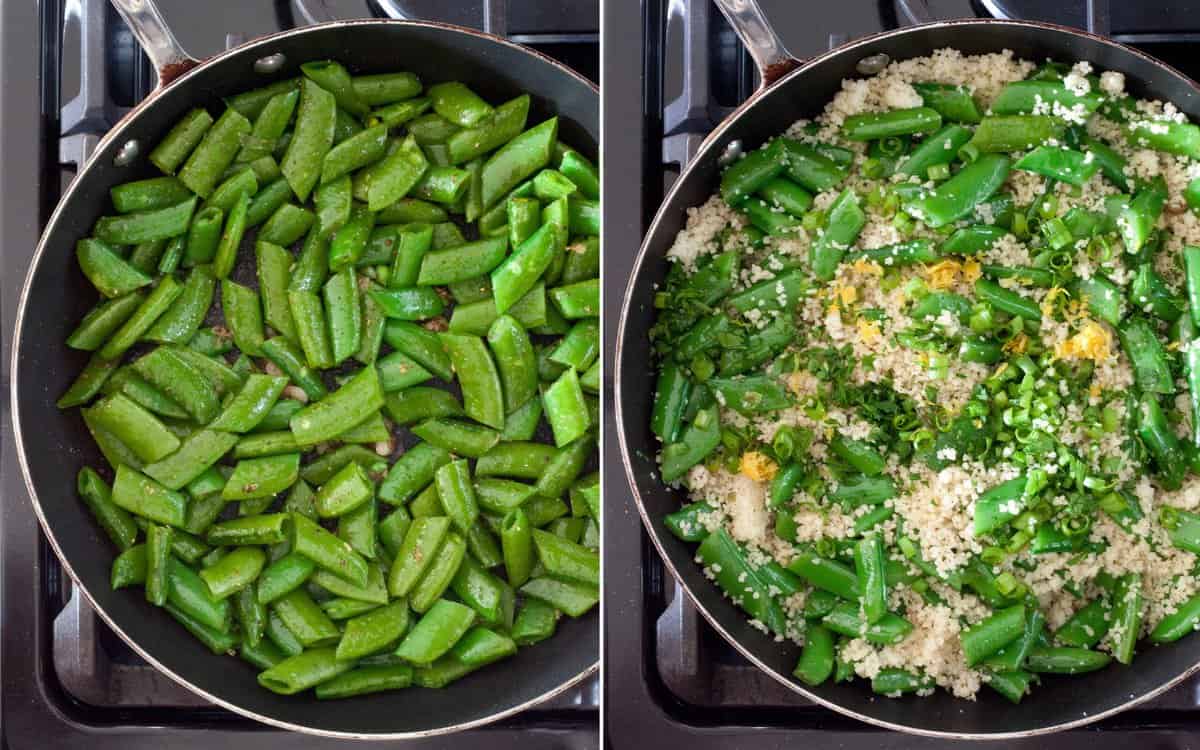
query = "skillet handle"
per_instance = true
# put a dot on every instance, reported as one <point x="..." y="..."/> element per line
<point x="770" y="56"/>
<point x="169" y="58"/>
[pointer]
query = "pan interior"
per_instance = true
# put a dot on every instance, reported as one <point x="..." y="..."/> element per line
<point x="55" y="444"/>
<point x="1058" y="701"/>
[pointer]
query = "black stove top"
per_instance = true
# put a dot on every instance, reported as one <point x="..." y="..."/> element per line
<point x="71" y="69"/>
<point x="670" y="679"/>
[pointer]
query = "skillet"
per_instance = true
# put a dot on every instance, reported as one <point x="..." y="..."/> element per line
<point x="791" y="90"/>
<point x="53" y="445"/>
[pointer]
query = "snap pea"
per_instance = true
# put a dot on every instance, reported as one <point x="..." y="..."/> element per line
<point x="696" y="442"/>
<point x="573" y="599"/>
<point x="1182" y="138"/>
<point x="734" y="574"/>
<point x="478" y="377"/>
<point x="385" y="88"/>
<point x="457" y="436"/>
<point x="286" y="224"/>
<point x="811" y="168"/>
<point x="1147" y="355"/>
<point x="148" y="195"/>
<point x="993" y="633"/>
<point x="286" y="356"/>
<point x="128" y="568"/>
<point x="115" y="521"/>
<point x="515" y="361"/>
<point x="1065" y="660"/>
<point x="109" y="272"/>
<point x="135" y="426"/>
<point x="103" y="320"/>
<point x="954" y="103"/>
<point x="416" y="403"/>
<point x="185" y="314"/>
<point x="243" y="315"/>
<point x="817" y="657"/>
<point x="752" y="172"/>
<point x="875" y="125"/>
<point x="231" y="238"/>
<point x="312" y="139"/>
<point x="226" y="194"/>
<point x="180" y="140"/>
<point x="458" y="104"/>
<point x="214" y="153"/>
<point x="517" y="160"/>
<point x="1062" y="164"/>
<point x="1010" y="133"/>
<point x="267" y="201"/>
<point x="269" y="125"/>
<point x="398" y="371"/>
<point x="340" y="410"/>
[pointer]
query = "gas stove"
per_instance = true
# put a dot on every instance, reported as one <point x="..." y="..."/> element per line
<point x="71" y="70"/>
<point x="670" y="679"/>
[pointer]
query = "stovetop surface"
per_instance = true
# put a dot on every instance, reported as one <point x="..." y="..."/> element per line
<point x="669" y="676"/>
<point x="65" y="679"/>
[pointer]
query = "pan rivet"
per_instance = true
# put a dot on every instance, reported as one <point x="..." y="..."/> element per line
<point x="127" y="153"/>
<point x="732" y="153"/>
<point x="270" y="63"/>
<point x="872" y="64"/>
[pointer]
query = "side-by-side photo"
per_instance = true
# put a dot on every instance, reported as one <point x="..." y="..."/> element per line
<point x="902" y="312"/>
<point x="304" y="307"/>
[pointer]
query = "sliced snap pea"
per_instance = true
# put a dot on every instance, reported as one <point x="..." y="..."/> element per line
<point x="312" y="139"/>
<point x="436" y="633"/>
<point x="226" y="194"/>
<point x="243" y="315"/>
<point x="416" y="403"/>
<point x="565" y="408"/>
<point x="142" y="496"/>
<point x="350" y="241"/>
<point x="344" y="314"/>
<point x="513" y="278"/>
<point x="457" y="436"/>
<point x="111" y="274"/>
<point x="269" y="125"/>
<point x="115" y="521"/>
<point x="215" y="152"/>
<point x="385" y="88"/>
<point x="333" y="200"/>
<point x="517" y="160"/>
<point x="515" y="360"/>
<point x="468" y="261"/>
<point x="493" y="131"/>
<point x="340" y="410"/>
<point x="328" y="552"/>
<point x="439" y="574"/>
<point x="135" y="426"/>
<point x="417" y="552"/>
<point x="265" y="476"/>
<point x="287" y="224"/>
<point x="180" y="140"/>
<point x="354" y="152"/>
<point x="344" y="492"/>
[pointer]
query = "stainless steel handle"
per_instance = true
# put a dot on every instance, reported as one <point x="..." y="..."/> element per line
<point x="169" y="58"/>
<point x="764" y="45"/>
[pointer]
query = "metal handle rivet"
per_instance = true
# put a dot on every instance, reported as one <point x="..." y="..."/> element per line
<point x="732" y="152"/>
<point x="872" y="64"/>
<point x="127" y="153"/>
<point x="270" y="63"/>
